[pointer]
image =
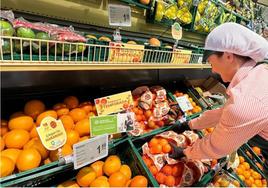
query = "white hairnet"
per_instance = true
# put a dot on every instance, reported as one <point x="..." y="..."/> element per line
<point x="237" y="39"/>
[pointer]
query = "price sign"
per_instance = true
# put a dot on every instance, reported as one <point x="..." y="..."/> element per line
<point x="184" y="103"/>
<point x="52" y="133"/>
<point x="119" y="15"/>
<point x="90" y="150"/>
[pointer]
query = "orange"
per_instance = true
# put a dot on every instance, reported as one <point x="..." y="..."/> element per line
<point x="246" y="174"/>
<point x="249" y="154"/>
<point x="7" y="166"/>
<point x="163" y="142"/>
<point x="4" y="127"/>
<point x="242" y="177"/>
<point x="67" y="122"/>
<point x="51" y="113"/>
<point x="86" y="106"/>
<point x="241" y="159"/>
<point x="77" y="114"/>
<point x="167" y="170"/>
<point x="33" y="132"/>
<point x="258" y="183"/>
<point x="85" y="176"/>
<point x="65" y="150"/>
<point x="239" y="171"/>
<point x="62" y="111"/>
<point x="103" y="178"/>
<point x="160" y="177"/>
<point x="100" y="182"/>
<point x="246" y="165"/>
<point x="59" y="106"/>
<point x="71" y="102"/>
<point x="83" y="138"/>
<point x="153" y="170"/>
<point x="128" y="183"/>
<point x="68" y="183"/>
<point x="11" y="153"/>
<point x="2" y="143"/>
<point x="117" y="179"/>
<point x="72" y="137"/>
<point x="22" y="122"/>
<point x="259" y="165"/>
<point x="138" y="117"/>
<point x="139" y="181"/>
<point x="256" y="176"/>
<point x="166" y="148"/>
<point x="264" y="182"/>
<point x="36" y="143"/>
<point x="156" y="149"/>
<point x="28" y="159"/>
<point x="148" y="114"/>
<point x="236" y="183"/>
<point x="47" y="161"/>
<point x="16" y="138"/>
<point x="111" y="165"/>
<point x="97" y="167"/>
<point x="16" y="114"/>
<point x="148" y="162"/>
<point x="153" y="142"/>
<point x="177" y="169"/>
<point x="33" y="108"/>
<point x="126" y="171"/>
<point x="224" y="183"/>
<point x="257" y="150"/>
<point x="82" y="127"/>
<point x="170" y="181"/>
<point x="151" y="124"/>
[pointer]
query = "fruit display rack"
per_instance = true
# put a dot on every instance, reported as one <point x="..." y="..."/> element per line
<point x="91" y="56"/>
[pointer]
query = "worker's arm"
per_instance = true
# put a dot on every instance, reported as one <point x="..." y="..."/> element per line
<point x="240" y="121"/>
<point x="206" y="120"/>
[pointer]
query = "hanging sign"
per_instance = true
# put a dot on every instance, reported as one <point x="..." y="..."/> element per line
<point x="176" y="31"/>
<point x="52" y="133"/>
<point x="180" y="56"/>
<point x="111" y="124"/>
<point x="125" y="53"/>
<point x="90" y="151"/>
<point x="119" y="15"/>
<point x="114" y="103"/>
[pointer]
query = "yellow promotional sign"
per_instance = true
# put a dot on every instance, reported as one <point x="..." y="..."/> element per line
<point x="114" y="103"/>
<point x="181" y="56"/>
<point x="52" y="133"/>
<point x="125" y="53"/>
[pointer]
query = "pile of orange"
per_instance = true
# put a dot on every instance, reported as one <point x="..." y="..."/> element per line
<point x="111" y="173"/>
<point x="159" y="145"/>
<point x="145" y="118"/>
<point x="169" y="175"/>
<point x="248" y="175"/>
<point x="21" y="148"/>
<point x="196" y="108"/>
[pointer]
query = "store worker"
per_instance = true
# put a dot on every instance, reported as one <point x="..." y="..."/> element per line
<point x="238" y="55"/>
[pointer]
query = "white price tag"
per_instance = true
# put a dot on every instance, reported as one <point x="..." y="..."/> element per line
<point x="90" y="150"/>
<point x="184" y="103"/>
<point x="119" y="15"/>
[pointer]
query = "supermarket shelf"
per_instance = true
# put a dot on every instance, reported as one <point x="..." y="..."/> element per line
<point x="35" y="66"/>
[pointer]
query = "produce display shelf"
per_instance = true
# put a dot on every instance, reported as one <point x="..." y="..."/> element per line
<point x="136" y="3"/>
<point x="36" y="54"/>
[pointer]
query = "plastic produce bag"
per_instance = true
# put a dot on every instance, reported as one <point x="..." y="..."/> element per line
<point x="6" y="29"/>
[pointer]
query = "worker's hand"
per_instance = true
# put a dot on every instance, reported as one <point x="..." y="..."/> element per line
<point x="177" y="152"/>
<point x="185" y="126"/>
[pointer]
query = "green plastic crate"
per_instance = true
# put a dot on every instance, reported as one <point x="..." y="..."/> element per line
<point x="251" y="163"/>
<point x="138" y="142"/>
<point x="128" y="155"/>
<point x="34" y="177"/>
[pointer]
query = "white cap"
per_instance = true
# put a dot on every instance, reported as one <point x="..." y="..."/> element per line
<point x="235" y="38"/>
